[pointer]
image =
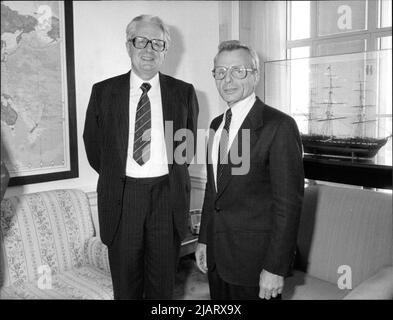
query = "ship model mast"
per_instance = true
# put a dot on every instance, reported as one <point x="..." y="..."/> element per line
<point x="327" y="127"/>
<point x="362" y="121"/>
<point x="311" y="115"/>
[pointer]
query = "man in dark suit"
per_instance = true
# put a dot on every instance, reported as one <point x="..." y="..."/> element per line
<point x="250" y="217"/>
<point x="143" y="192"/>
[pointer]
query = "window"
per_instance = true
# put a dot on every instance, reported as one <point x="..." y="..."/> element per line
<point x="337" y="27"/>
<point x="385" y="14"/>
<point x="340" y="46"/>
<point x="299" y="52"/>
<point x="385" y="42"/>
<point x="322" y="28"/>
<point x="338" y="17"/>
<point x="300" y="20"/>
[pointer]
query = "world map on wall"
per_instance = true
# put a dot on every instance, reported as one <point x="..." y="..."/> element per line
<point x="33" y="115"/>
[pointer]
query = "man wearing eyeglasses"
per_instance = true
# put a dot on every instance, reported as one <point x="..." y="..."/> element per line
<point x="143" y="190"/>
<point x="249" y="221"/>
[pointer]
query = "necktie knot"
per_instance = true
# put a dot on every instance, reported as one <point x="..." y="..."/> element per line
<point x="145" y="87"/>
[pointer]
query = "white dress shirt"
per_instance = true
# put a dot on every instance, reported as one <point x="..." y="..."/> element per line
<point x="157" y="165"/>
<point x="239" y="112"/>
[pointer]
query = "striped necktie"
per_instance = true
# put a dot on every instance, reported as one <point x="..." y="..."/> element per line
<point x="142" y="133"/>
<point x="223" y="146"/>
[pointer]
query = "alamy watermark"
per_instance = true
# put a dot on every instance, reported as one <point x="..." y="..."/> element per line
<point x="344" y="22"/>
<point x="345" y="280"/>
<point x="44" y="281"/>
<point x="183" y="147"/>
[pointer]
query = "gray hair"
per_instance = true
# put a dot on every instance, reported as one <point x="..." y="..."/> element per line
<point x="231" y="45"/>
<point x="131" y="27"/>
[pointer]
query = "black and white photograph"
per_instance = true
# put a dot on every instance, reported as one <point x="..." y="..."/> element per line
<point x="204" y="157"/>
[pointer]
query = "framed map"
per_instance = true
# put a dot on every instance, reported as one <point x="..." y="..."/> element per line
<point x="38" y="113"/>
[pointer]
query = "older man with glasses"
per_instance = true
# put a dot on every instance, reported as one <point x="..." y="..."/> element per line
<point x="143" y="190"/>
<point x="250" y="220"/>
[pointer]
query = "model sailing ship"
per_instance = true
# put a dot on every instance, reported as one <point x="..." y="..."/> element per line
<point x="321" y="139"/>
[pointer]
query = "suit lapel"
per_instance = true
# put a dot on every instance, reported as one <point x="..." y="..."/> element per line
<point x="167" y="115"/>
<point x="121" y="98"/>
<point x="209" y="160"/>
<point x="252" y="122"/>
<point x="167" y="111"/>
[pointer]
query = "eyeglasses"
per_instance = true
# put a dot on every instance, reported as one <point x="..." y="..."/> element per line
<point x="141" y="43"/>
<point x="238" y="72"/>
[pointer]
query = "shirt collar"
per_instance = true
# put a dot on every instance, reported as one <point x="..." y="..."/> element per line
<point x="239" y="106"/>
<point x="136" y="82"/>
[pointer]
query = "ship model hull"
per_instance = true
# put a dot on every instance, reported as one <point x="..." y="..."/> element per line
<point x="349" y="147"/>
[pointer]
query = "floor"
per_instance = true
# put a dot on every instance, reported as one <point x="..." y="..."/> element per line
<point x="191" y="284"/>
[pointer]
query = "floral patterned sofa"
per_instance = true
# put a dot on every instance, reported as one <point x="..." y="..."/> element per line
<point x="49" y="248"/>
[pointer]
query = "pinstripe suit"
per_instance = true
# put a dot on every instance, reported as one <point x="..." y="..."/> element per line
<point x="106" y="140"/>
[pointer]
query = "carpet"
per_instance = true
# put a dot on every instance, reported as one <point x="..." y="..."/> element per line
<point x="190" y="283"/>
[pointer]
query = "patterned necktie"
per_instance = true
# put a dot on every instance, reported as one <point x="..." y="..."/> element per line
<point x="142" y="134"/>
<point x="223" y="146"/>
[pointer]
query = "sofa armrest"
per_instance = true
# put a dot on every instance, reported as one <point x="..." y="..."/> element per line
<point x="96" y="254"/>
<point x="379" y="286"/>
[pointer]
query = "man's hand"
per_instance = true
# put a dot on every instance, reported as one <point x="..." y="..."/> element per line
<point x="200" y="257"/>
<point x="270" y="285"/>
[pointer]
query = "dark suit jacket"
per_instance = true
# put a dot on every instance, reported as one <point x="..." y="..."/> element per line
<point x="106" y="141"/>
<point x="251" y="223"/>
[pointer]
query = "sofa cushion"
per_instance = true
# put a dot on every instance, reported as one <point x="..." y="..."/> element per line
<point x="345" y="226"/>
<point x="379" y="286"/>
<point x="78" y="283"/>
<point x="43" y="229"/>
<point x="301" y="286"/>
<point x="96" y="254"/>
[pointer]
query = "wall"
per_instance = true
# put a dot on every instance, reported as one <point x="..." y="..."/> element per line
<point x="263" y="26"/>
<point x="228" y="20"/>
<point x="100" y="52"/>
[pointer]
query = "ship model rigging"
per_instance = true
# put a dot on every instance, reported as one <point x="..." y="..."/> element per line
<point x="321" y="138"/>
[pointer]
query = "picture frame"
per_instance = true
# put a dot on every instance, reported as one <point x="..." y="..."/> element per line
<point x="38" y="109"/>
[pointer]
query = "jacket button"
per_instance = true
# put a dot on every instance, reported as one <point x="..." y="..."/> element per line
<point x="119" y="202"/>
<point x="217" y="209"/>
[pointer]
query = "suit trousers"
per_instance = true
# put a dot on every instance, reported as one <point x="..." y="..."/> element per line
<point x="144" y="252"/>
<point x="222" y="290"/>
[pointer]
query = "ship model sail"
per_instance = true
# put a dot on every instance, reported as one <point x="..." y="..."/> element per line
<point x="321" y="139"/>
